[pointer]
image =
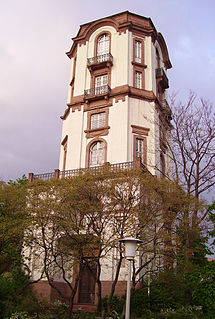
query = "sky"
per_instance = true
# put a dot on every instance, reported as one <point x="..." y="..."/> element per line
<point x="34" y="69"/>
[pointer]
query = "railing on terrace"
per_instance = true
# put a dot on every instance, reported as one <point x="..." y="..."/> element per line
<point x="107" y="57"/>
<point x="44" y="176"/>
<point x="95" y="170"/>
<point x="104" y="89"/>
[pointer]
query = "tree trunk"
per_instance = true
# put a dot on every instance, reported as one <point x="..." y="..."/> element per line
<point x="114" y="285"/>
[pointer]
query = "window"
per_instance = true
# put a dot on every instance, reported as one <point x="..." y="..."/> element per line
<point x="64" y="144"/>
<point x="97" y="154"/>
<point x="138" y="80"/>
<point x="157" y="58"/>
<point x="97" y="120"/>
<point x="101" y="80"/>
<point x="139" y="148"/>
<point x="103" y="44"/>
<point x="101" y="84"/>
<point x="140" y="143"/>
<point x="137" y="52"/>
<point x="97" y="123"/>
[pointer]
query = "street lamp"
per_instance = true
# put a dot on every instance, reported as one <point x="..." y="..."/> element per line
<point x="130" y="253"/>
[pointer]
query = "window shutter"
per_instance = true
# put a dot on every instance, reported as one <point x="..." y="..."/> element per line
<point x="93" y="121"/>
<point x="97" y="120"/>
<point x="101" y="122"/>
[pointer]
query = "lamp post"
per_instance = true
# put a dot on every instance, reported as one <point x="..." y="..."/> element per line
<point x="130" y="253"/>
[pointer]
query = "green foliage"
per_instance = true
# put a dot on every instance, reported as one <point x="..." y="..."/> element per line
<point x="140" y="301"/>
<point x="168" y="290"/>
<point x="13" y="221"/>
<point x="181" y="313"/>
<point x="21" y="315"/>
<point x="15" y="295"/>
<point x="19" y="181"/>
<point x="211" y="210"/>
<point x="188" y="295"/>
<point x="203" y="288"/>
<point x="116" y="304"/>
<point x="83" y="315"/>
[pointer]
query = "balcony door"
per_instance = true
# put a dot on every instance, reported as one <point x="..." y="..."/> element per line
<point x="103" y="44"/>
<point x="101" y="84"/>
<point x="101" y="80"/>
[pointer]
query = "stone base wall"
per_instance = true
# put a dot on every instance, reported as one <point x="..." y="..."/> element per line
<point x="43" y="290"/>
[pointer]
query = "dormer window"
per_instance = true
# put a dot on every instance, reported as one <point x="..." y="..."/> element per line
<point x="103" y="44"/>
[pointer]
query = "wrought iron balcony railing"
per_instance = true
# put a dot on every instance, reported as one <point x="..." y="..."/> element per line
<point x="160" y="73"/>
<point x="107" y="57"/>
<point x="100" y="90"/>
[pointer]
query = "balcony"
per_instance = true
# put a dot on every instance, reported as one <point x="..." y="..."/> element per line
<point x="94" y="170"/>
<point x="165" y="106"/>
<point x="161" y="75"/>
<point x="97" y="92"/>
<point x="107" y="57"/>
<point x="100" y="61"/>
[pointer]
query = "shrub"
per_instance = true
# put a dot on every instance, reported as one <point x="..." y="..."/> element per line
<point x="116" y="304"/>
<point x="21" y="315"/>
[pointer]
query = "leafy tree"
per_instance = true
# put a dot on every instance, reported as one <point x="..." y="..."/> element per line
<point x="13" y="222"/>
<point x="89" y="213"/>
<point x="203" y="288"/>
<point x="19" y="181"/>
<point x="71" y="224"/>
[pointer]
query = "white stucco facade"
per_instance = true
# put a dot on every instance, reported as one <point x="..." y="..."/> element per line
<point x="128" y="106"/>
<point x="117" y="111"/>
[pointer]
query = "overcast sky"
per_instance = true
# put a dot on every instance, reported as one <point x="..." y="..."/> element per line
<point x="34" y="70"/>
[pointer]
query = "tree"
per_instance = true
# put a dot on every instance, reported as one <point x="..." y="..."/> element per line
<point x="13" y="222"/>
<point x="192" y="151"/>
<point x="203" y="288"/>
<point x="193" y="144"/>
<point x="211" y="209"/>
<point x="77" y="222"/>
<point x="74" y="224"/>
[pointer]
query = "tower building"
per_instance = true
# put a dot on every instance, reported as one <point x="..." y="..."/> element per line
<point x="117" y="113"/>
<point x="117" y="109"/>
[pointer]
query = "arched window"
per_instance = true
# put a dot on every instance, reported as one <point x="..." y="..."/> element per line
<point x="97" y="154"/>
<point x="103" y="44"/>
